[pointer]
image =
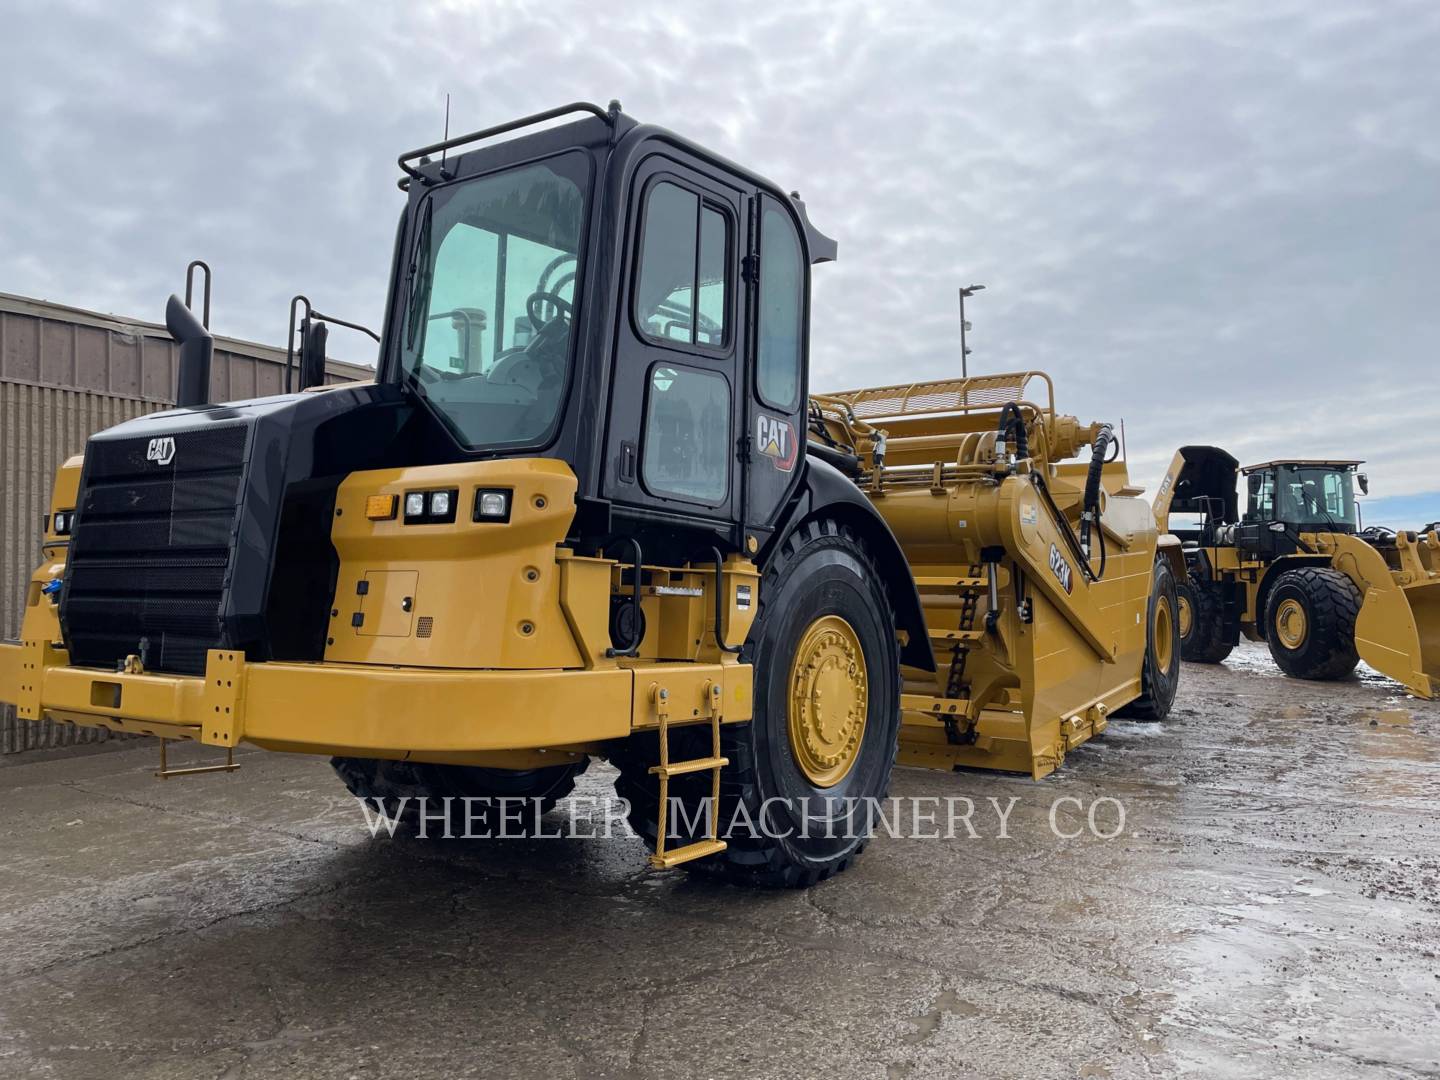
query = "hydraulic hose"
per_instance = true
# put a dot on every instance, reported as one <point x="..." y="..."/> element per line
<point x="1011" y="418"/>
<point x="1090" y="506"/>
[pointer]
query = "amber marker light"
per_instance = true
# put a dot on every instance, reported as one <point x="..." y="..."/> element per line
<point x="380" y="508"/>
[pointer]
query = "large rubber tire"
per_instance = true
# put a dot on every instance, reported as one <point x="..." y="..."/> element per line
<point x="1204" y="642"/>
<point x="1330" y="602"/>
<point x="392" y="781"/>
<point x="1160" y="672"/>
<point x="822" y="570"/>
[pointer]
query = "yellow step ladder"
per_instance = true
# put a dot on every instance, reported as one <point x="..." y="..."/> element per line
<point x="952" y="705"/>
<point x="712" y="844"/>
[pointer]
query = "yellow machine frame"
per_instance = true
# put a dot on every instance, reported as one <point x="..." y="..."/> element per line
<point x="1034" y="687"/>
<point x="458" y="645"/>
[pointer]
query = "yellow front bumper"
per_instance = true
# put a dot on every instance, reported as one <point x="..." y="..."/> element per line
<point x="365" y="710"/>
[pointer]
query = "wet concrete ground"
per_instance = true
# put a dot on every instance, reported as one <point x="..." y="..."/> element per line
<point x="1271" y="909"/>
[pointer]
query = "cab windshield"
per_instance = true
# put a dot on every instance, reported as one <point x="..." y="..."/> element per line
<point x="1313" y="497"/>
<point x="491" y="299"/>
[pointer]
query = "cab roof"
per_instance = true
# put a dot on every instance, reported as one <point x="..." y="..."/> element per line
<point x="1308" y="463"/>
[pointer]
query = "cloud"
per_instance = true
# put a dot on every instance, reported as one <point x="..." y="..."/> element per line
<point x="1216" y="220"/>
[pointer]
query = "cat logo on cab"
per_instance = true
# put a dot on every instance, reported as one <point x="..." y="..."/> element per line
<point x="775" y="438"/>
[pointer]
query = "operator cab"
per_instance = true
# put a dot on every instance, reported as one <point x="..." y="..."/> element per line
<point x="613" y="296"/>
<point x="1308" y="496"/>
<point x="1287" y="498"/>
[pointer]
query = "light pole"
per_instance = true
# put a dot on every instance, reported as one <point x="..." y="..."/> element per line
<point x="968" y="290"/>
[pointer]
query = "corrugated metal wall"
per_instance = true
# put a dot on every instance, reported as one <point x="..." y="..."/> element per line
<point x="65" y="373"/>
<point x="40" y="426"/>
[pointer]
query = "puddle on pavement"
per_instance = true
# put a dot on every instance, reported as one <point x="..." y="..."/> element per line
<point x="1387" y="717"/>
<point x="927" y="1023"/>
<point x="1254" y="658"/>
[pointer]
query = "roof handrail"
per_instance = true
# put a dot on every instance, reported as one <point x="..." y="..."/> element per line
<point x="444" y="145"/>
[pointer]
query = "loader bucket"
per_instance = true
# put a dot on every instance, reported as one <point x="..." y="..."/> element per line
<point x="1398" y="634"/>
<point x="1398" y="629"/>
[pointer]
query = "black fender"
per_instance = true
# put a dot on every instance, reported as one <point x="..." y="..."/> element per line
<point x="825" y="492"/>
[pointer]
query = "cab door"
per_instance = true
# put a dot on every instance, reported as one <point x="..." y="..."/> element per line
<point x="677" y="405"/>
<point x="778" y="287"/>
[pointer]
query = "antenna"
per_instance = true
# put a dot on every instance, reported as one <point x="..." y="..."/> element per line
<point x="446" y="136"/>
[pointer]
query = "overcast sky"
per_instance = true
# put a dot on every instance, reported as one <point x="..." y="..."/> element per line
<point x="1219" y="221"/>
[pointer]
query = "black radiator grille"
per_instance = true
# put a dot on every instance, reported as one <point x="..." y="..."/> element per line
<point x="150" y="556"/>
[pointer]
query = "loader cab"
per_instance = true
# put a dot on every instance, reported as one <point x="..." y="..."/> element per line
<point x="616" y="297"/>
<point x="1306" y="496"/>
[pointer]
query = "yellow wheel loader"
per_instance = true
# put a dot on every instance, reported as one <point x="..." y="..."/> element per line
<point x="1297" y="571"/>
<point x="588" y="508"/>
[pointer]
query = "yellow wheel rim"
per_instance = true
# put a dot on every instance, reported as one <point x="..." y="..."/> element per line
<point x="1291" y="624"/>
<point x="829" y="700"/>
<point x="1184" y="615"/>
<point x="1163" y="627"/>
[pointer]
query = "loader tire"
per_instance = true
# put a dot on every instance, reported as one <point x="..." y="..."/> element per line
<point x="1160" y="672"/>
<point x="823" y="638"/>
<point x="399" y="785"/>
<point x="1202" y="626"/>
<point x="1310" y="623"/>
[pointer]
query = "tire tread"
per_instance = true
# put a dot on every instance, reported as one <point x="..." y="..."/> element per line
<point x="1332" y="604"/>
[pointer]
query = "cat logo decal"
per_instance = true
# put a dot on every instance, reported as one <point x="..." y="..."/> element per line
<point x="775" y="438"/>
<point x="161" y="451"/>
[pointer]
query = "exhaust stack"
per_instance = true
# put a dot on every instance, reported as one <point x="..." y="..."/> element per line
<point x="197" y="349"/>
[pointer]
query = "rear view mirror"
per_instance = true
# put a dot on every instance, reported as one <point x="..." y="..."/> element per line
<point x="312" y="354"/>
<point x="1364" y="482"/>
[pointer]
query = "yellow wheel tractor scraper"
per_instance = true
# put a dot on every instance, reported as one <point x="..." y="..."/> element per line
<point x="588" y="509"/>
<point x="1297" y="571"/>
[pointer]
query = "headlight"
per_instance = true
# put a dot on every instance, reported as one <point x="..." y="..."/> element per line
<point x="64" y="522"/>
<point x="492" y="505"/>
<point x="430" y="507"/>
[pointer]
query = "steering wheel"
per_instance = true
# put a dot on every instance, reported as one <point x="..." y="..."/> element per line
<point x="542" y="359"/>
<point x="535" y="307"/>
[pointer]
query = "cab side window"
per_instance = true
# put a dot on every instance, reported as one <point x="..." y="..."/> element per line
<point x="782" y="310"/>
<point x="1335" y="496"/>
<point x="687" y="434"/>
<point x="681" y="295"/>
<point x="1262" y="497"/>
